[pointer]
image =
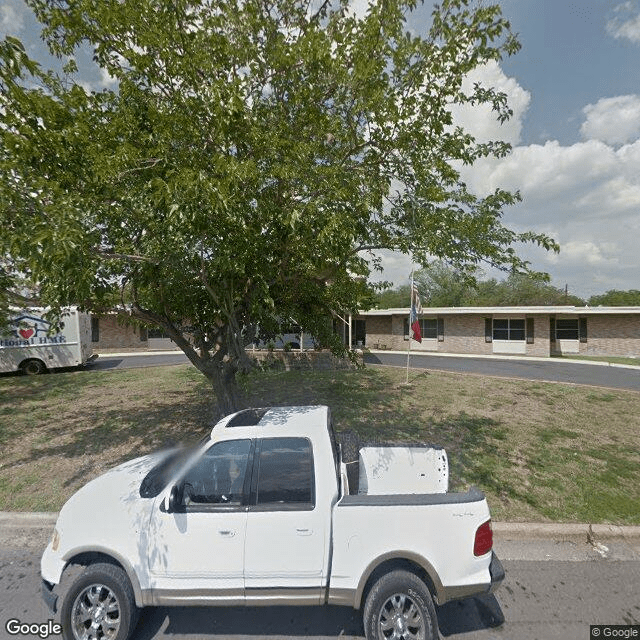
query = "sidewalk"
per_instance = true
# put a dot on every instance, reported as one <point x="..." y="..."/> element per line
<point x="513" y="540"/>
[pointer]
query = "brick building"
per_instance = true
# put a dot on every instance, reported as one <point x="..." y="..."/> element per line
<point x="531" y="331"/>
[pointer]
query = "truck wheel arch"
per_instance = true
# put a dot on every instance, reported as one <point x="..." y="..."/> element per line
<point x="408" y="560"/>
<point x="92" y="555"/>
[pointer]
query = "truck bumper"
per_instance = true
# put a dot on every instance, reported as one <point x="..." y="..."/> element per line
<point x="50" y="598"/>
<point x="497" y="572"/>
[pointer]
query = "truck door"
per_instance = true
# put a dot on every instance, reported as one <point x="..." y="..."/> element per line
<point x="286" y="528"/>
<point x="197" y="552"/>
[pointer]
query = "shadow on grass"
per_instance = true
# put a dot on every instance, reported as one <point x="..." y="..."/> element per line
<point x="105" y="437"/>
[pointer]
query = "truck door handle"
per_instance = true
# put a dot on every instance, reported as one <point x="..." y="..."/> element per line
<point x="227" y="533"/>
<point x="304" y="532"/>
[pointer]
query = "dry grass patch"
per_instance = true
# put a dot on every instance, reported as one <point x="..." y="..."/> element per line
<point x="540" y="451"/>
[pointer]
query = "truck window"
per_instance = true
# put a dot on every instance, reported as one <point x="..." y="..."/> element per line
<point x="218" y="476"/>
<point x="285" y="473"/>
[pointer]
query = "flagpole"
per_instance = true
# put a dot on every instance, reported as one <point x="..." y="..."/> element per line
<point x="410" y="307"/>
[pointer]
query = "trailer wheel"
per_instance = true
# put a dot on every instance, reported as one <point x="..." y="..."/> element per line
<point x="99" y="604"/>
<point x="400" y="607"/>
<point x="33" y="367"/>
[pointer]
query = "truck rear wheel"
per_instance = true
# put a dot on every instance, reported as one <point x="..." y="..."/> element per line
<point x="99" y="604"/>
<point x="400" y="607"/>
<point x="33" y="367"/>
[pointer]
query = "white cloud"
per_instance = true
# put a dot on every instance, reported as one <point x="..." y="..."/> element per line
<point x="106" y="80"/>
<point x="359" y="8"/>
<point x="11" y="19"/>
<point x="613" y="120"/>
<point x="585" y="195"/>
<point x="585" y="252"/>
<point x="625" y="23"/>
<point x="480" y="120"/>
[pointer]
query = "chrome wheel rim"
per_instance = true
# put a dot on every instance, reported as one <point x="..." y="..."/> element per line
<point x="96" y="614"/>
<point x="401" y="619"/>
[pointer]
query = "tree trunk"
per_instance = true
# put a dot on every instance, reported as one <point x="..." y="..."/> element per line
<point x="228" y="394"/>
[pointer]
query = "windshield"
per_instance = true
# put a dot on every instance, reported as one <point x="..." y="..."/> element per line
<point x="156" y="480"/>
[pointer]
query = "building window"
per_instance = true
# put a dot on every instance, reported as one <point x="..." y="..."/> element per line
<point x="508" y="329"/>
<point x="567" y="329"/>
<point x="95" y="329"/>
<point x="428" y="328"/>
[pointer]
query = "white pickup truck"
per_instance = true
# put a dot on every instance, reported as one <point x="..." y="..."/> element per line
<point x="260" y="513"/>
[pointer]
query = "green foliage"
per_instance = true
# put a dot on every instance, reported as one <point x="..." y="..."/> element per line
<point x="396" y="298"/>
<point x="252" y="156"/>
<point x="441" y="285"/>
<point x="614" y="298"/>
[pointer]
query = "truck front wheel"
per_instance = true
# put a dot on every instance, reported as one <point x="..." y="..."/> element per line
<point x="99" y="604"/>
<point x="400" y="607"/>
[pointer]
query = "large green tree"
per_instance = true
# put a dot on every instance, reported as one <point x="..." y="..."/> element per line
<point x="252" y="155"/>
<point x="616" y="298"/>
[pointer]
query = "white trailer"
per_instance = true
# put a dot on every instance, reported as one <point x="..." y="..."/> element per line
<point x="33" y="344"/>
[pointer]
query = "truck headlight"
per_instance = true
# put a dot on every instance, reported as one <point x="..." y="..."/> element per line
<point x="55" y="540"/>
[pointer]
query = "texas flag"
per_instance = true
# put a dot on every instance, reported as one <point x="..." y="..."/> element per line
<point x="416" y="310"/>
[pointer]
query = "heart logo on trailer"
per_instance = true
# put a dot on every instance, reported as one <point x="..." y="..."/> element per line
<point x="31" y="330"/>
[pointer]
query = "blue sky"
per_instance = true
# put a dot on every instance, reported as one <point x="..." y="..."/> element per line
<point x="575" y="91"/>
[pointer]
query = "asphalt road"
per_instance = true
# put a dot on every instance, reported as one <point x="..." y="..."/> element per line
<point x="544" y="599"/>
<point x="553" y="371"/>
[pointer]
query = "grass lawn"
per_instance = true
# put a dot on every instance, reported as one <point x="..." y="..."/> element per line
<point x="540" y="451"/>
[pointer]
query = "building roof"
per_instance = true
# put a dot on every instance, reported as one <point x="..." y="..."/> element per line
<point x="543" y="310"/>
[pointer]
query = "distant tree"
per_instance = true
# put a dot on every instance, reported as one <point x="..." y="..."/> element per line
<point x="394" y="298"/>
<point x="615" y="298"/>
<point x="252" y="157"/>
<point x="441" y="285"/>
<point x="521" y="290"/>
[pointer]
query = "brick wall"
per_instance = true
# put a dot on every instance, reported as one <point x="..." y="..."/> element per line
<point x="541" y="346"/>
<point x="115" y="334"/>
<point x="612" y="336"/>
<point x="462" y="334"/>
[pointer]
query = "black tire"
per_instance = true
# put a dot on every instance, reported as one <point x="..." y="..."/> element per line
<point x="402" y="601"/>
<point x="350" y="446"/>
<point x="106" y="592"/>
<point x="33" y="367"/>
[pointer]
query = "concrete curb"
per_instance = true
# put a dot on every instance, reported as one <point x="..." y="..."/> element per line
<point x="563" y="531"/>
<point x="501" y="530"/>
<point x="513" y="358"/>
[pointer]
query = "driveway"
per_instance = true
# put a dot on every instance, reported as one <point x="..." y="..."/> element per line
<point x="551" y="371"/>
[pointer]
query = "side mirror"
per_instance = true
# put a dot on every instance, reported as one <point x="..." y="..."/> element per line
<point x="175" y="499"/>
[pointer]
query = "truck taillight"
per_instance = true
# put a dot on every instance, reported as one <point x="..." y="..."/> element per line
<point x="484" y="539"/>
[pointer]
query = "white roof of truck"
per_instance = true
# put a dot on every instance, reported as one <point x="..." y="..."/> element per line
<point x="273" y="421"/>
